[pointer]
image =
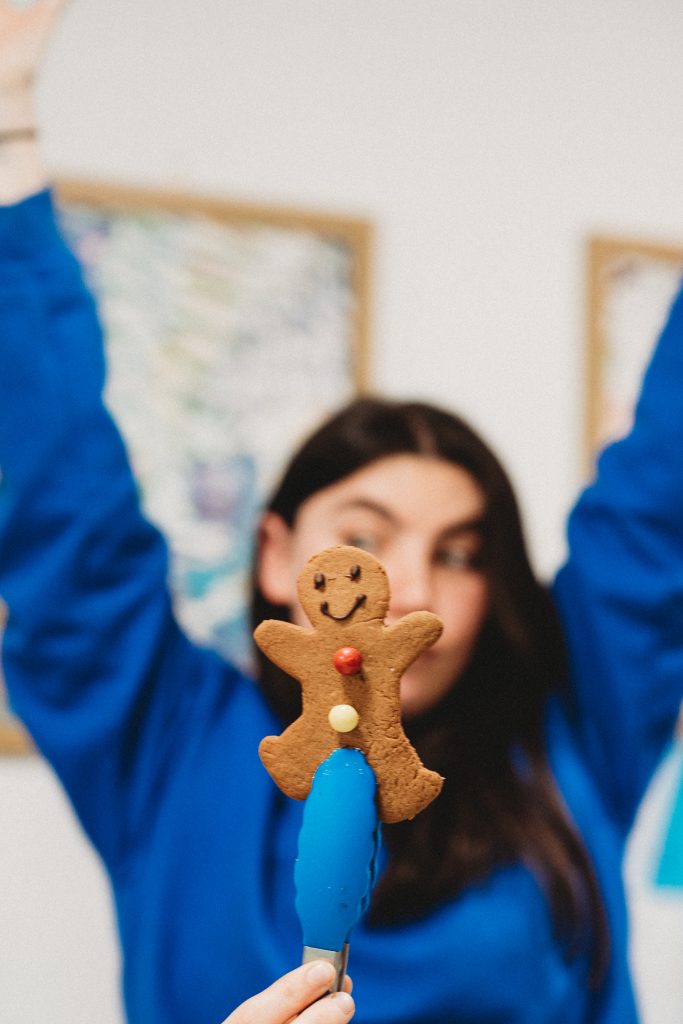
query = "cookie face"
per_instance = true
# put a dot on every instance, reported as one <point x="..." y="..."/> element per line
<point x="349" y="666"/>
<point x="343" y="585"/>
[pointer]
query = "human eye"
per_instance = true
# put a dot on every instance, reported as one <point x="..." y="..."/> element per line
<point x="363" y="528"/>
<point x="365" y="541"/>
<point x="458" y="557"/>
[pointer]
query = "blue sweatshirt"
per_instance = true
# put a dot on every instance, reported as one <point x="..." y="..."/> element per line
<point x="155" y="739"/>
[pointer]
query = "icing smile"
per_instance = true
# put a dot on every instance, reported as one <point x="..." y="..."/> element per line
<point x="325" y="609"/>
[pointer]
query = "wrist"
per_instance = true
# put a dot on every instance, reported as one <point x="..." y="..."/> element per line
<point x="17" y="135"/>
<point x="17" y="111"/>
<point x="21" y="169"/>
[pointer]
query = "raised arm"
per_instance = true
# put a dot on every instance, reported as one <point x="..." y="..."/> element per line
<point x="92" y="657"/>
<point x="406" y="639"/>
<point x="285" y="644"/>
<point x="621" y="593"/>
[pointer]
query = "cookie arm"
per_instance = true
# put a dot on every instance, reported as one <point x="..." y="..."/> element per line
<point x="283" y="643"/>
<point x="409" y="637"/>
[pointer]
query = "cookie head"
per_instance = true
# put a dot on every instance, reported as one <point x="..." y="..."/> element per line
<point x="343" y="585"/>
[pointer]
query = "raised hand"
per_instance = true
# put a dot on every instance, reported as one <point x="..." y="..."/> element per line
<point x="24" y="35"/>
<point x="25" y="31"/>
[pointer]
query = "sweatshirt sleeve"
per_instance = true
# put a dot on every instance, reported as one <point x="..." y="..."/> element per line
<point x="93" y="660"/>
<point x="620" y="594"/>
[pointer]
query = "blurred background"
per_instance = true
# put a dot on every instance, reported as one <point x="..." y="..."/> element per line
<point x="485" y="141"/>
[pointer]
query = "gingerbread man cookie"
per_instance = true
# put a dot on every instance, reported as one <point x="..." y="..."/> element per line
<point x="349" y="666"/>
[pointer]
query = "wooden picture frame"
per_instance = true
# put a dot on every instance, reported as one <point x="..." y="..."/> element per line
<point x="630" y="286"/>
<point x="13" y="738"/>
<point x="192" y="286"/>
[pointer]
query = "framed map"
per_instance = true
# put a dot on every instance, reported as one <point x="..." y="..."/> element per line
<point x="231" y="331"/>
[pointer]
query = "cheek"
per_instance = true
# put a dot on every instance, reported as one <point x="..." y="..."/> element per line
<point x="464" y="609"/>
<point x="298" y="616"/>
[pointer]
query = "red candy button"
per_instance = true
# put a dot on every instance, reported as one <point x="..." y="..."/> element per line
<point x="348" y="661"/>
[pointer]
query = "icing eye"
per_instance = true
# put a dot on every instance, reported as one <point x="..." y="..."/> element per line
<point x="354" y="574"/>
<point x="319" y="581"/>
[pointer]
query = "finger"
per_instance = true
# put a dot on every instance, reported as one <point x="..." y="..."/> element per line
<point x="333" y="1009"/>
<point x="305" y="1018"/>
<point x="36" y="18"/>
<point x="33" y="7"/>
<point x="287" y="997"/>
<point x="48" y="10"/>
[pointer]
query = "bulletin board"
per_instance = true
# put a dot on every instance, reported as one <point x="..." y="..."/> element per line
<point x="231" y="331"/>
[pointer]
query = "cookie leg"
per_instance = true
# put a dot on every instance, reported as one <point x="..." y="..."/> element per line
<point x="405" y="787"/>
<point x="291" y="760"/>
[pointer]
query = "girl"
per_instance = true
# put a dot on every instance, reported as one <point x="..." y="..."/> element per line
<point x="547" y="713"/>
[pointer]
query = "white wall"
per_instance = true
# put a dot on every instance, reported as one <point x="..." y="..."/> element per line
<point x="59" y="961"/>
<point x="485" y="140"/>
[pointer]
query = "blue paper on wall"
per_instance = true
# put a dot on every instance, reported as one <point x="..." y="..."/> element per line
<point x="670" y="868"/>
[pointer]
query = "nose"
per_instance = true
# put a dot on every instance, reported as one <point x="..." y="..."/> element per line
<point x="410" y="580"/>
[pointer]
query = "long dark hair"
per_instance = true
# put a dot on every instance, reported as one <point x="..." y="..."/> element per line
<point x="499" y="804"/>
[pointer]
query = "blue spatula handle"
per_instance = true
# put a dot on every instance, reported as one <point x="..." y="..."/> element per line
<point x="338" y="842"/>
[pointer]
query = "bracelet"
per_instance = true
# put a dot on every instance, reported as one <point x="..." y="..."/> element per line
<point x="17" y="133"/>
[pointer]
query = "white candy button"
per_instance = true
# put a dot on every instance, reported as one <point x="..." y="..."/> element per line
<point x="343" y="718"/>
